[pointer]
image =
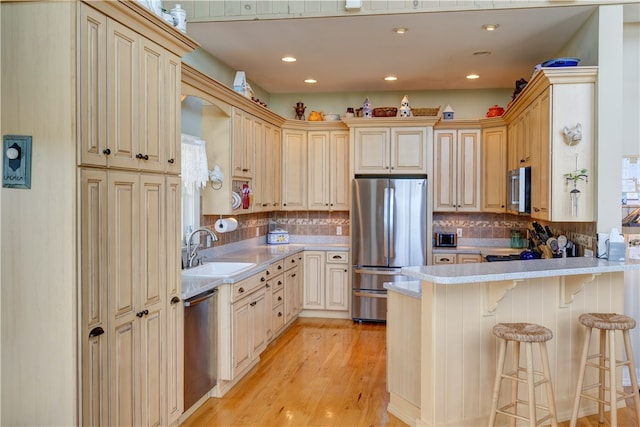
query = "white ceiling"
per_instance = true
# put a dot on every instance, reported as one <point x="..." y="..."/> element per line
<point x="354" y="53"/>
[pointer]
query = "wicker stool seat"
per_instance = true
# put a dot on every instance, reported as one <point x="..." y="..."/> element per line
<point x="526" y="334"/>
<point x="606" y="361"/>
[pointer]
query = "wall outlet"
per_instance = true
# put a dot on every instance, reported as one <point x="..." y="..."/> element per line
<point x="588" y="253"/>
<point x="459" y="232"/>
<point x="257" y="232"/>
<point x="209" y="241"/>
<point x="339" y="230"/>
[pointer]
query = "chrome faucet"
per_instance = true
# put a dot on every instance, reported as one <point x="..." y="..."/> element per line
<point x="191" y="253"/>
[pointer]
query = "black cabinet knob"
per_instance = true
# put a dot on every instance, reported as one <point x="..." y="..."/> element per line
<point x="175" y="300"/>
<point x="106" y="151"/>
<point x="172" y="161"/>
<point x="96" y="332"/>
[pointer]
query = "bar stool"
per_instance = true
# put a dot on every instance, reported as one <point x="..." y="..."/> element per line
<point x="608" y="323"/>
<point x="527" y="334"/>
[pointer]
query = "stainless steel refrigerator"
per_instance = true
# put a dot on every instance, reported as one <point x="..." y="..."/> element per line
<point x="388" y="232"/>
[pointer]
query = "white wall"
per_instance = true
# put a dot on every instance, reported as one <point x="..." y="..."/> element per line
<point x="631" y="76"/>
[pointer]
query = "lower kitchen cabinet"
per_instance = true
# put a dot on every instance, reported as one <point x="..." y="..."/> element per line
<point x="292" y="287"/>
<point x="274" y="299"/>
<point x="452" y="258"/>
<point x="326" y="283"/>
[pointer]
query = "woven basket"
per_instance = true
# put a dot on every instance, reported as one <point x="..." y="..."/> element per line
<point x="432" y="111"/>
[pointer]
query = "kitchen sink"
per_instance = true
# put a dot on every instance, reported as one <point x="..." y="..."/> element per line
<point x="218" y="269"/>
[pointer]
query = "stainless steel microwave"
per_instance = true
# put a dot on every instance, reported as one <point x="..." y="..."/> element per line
<point x="519" y="190"/>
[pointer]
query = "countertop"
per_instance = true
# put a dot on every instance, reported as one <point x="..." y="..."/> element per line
<point x="513" y="270"/>
<point x="262" y="255"/>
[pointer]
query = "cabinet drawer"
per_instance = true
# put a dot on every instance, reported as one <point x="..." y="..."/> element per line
<point x="275" y="269"/>
<point x="444" y="258"/>
<point x="337" y="257"/>
<point x="277" y="298"/>
<point x="292" y="260"/>
<point x="246" y="286"/>
<point x="277" y="318"/>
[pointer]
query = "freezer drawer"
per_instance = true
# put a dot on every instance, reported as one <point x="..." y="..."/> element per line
<point x="369" y="306"/>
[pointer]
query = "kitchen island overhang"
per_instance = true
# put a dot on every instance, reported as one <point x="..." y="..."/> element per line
<point x="441" y="324"/>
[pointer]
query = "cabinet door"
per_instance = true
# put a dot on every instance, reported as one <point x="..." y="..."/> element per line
<point x="372" y="150"/>
<point x="337" y="287"/>
<point x="468" y="258"/>
<point x="468" y="170"/>
<point x="276" y="169"/>
<point x="294" y="170"/>
<point x="260" y="173"/>
<point x="124" y="300"/>
<point x="339" y="184"/>
<point x="318" y="171"/>
<point x="408" y="150"/>
<point x="540" y="180"/>
<point x="494" y="170"/>
<point x="152" y="98"/>
<point x="93" y="290"/>
<point x="314" y="280"/>
<point x="444" y="170"/>
<point x="175" y="308"/>
<point x="258" y="318"/>
<point x="292" y="294"/>
<point x="444" y="258"/>
<point x="241" y="341"/>
<point x="93" y="87"/>
<point x="122" y="95"/>
<point x="243" y="128"/>
<point x="512" y="146"/>
<point x="172" y="104"/>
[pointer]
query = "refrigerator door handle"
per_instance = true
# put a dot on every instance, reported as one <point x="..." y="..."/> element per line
<point x="369" y="295"/>
<point x="392" y="208"/>
<point x="377" y="272"/>
<point x="385" y="224"/>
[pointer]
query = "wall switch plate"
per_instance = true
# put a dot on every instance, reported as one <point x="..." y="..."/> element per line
<point x="459" y="232"/>
<point x="16" y="161"/>
<point x="257" y="232"/>
<point x="588" y="253"/>
<point x="339" y="230"/>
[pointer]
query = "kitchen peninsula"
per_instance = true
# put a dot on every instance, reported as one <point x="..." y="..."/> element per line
<point x="442" y="354"/>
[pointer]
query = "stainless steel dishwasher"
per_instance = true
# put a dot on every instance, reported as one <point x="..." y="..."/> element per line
<point x="200" y="346"/>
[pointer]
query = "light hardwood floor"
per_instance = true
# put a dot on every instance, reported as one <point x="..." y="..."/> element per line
<point x="321" y="372"/>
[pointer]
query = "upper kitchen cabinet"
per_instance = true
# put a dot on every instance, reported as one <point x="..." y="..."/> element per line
<point x="240" y="137"/>
<point x="456" y="166"/>
<point x="557" y="108"/>
<point x="493" y="195"/>
<point x="129" y="93"/>
<point x="294" y="169"/>
<point x="391" y="145"/>
<point x="328" y="170"/>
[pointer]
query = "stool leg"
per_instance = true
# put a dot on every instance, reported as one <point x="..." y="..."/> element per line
<point x="632" y="373"/>
<point x="602" y="373"/>
<point x="549" y="387"/>
<point x="496" y="385"/>
<point x="531" y="385"/>
<point x="613" y="397"/>
<point x="583" y="366"/>
<point x="515" y="385"/>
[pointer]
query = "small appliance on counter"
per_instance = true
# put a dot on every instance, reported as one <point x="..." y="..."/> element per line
<point x="277" y="236"/>
<point x="446" y="240"/>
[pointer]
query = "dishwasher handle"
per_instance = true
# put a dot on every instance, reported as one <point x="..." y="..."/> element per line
<point x="200" y="298"/>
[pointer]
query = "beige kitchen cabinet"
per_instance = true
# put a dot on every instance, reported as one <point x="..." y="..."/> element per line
<point x="137" y="285"/>
<point x="245" y="128"/>
<point x="128" y="113"/>
<point x="294" y="169"/>
<point x="325" y="284"/>
<point x="128" y="91"/>
<point x="292" y="287"/>
<point x="553" y="100"/>
<point x="274" y="299"/>
<point x="328" y="170"/>
<point x="456" y="165"/>
<point x="266" y="185"/>
<point x="494" y="166"/>
<point x="453" y="258"/>
<point x="390" y="150"/>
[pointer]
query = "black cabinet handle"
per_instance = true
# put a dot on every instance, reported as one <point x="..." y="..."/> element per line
<point x="106" y="151"/>
<point x="175" y="300"/>
<point x="279" y="298"/>
<point x="172" y="161"/>
<point x="96" y="332"/>
<point x="139" y="156"/>
<point x="241" y="290"/>
<point x="146" y="157"/>
<point x="279" y="314"/>
<point x="293" y="275"/>
<point x="139" y="314"/>
<point x="279" y="267"/>
<point x="279" y="282"/>
<point x="337" y="257"/>
<point x="262" y="279"/>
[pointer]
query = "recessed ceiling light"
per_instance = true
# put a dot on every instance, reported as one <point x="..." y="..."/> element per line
<point x="311" y="81"/>
<point x="490" y="27"/>
<point x="289" y="59"/>
<point x="400" y="30"/>
<point x="482" y="53"/>
<point x="473" y="76"/>
<point x="391" y="78"/>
